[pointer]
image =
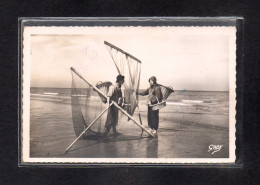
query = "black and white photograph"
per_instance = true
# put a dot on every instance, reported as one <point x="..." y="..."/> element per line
<point x="128" y="94"/>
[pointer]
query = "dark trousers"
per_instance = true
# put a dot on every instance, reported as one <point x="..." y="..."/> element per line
<point x="153" y="118"/>
<point x="112" y="118"/>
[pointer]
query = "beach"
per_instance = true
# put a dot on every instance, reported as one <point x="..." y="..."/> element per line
<point x="181" y="134"/>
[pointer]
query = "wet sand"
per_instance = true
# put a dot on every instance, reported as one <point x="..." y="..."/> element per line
<point x="179" y="136"/>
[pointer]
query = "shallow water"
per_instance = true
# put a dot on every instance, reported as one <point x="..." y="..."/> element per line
<point x="208" y="102"/>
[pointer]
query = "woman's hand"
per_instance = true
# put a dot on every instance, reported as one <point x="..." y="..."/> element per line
<point x="149" y="102"/>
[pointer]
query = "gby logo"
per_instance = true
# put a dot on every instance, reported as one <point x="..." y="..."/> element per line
<point x="214" y="148"/>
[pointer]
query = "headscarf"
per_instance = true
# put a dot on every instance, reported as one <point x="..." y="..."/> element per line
<point x="153" y="78"/>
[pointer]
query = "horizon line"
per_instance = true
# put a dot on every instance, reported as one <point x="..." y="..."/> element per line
<point x="143" y="88"/>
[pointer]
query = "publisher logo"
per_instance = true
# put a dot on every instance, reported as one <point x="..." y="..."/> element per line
<point x="214" y="148"/>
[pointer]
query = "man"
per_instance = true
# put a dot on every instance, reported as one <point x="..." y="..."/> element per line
<point x="114" y="94"/>
<point x="154" y="95"/>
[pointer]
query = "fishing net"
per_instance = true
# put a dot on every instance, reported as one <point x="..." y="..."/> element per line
<point x="87" y="104"/>
<point x="104" y="87"/>
<point x="130" y="67"/>
<point x="166" y="92"/>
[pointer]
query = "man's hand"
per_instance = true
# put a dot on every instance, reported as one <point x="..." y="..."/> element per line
<point x="120" y="101"/>
<point x="108" y="101"/>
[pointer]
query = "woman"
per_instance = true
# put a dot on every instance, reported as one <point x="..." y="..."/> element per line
<point x="154" y="96"/>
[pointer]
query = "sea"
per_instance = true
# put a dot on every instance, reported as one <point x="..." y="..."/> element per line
<point x="181" y="101"/>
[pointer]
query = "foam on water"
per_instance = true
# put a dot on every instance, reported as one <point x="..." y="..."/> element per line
<point x="35" y="94"/>
<point x="179" y="101"/>
<point x="179" y="104"/>
<point x="192" y="101"/>
<point x="48" y="93"/>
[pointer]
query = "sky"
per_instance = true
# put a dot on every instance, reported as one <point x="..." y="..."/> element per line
<point x="184" y="58"/>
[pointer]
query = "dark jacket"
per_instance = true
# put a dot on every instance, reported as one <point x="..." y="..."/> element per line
<point x="152" y="92"/>
<point x="115" y="92"/>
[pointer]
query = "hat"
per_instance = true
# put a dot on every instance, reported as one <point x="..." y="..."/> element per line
<point x="120" y="77"/>
<point x="153" y="78"/>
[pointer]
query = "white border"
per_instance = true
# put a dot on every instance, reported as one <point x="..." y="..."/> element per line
<point x="26" y="68"/>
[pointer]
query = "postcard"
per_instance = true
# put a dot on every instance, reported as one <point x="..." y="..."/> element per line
<point x="128" y="94"/>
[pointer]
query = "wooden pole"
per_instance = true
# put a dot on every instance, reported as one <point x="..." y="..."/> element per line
<point x="87" y="128"/>
<point x="140" y="118"/>
<point x="138" y="124"/>
<point x="139" y="114"/>
<point x="94" y="87"/>
<point x="122" y="51"/>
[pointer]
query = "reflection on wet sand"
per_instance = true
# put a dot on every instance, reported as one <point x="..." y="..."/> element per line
<point x="111" y="150"/>
<point x="152" y="147"/>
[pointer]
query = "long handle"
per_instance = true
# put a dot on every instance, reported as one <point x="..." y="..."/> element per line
<point x="138" y="124"/>
<point x="122" y="51"/>
<point x="94" y="87"/>
<point x="140" y="118"/>
<point x="88" y="128"/>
